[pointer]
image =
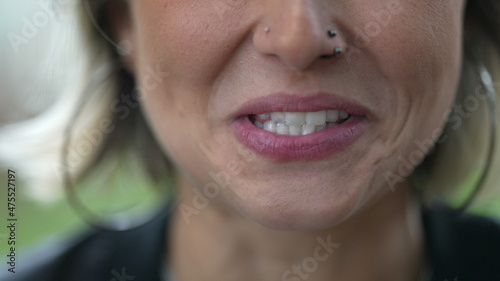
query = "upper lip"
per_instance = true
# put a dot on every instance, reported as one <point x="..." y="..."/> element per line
<point x="282" y="102"/>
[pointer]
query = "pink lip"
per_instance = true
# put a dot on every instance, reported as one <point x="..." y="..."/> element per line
<point x="314" y="146"/>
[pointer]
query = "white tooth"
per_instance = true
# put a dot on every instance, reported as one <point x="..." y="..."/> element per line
<point x="343" y="115"/>
<point x="332" y="115"/>
<point x="264" y="116"/>
<point x="308" y="129"/>
<point x="295" y="118"/>
<point x="281" y="129"/>
<point x="320" y="128"/>
<point x="259" y="124"/>
<point x="316" y="118"/>
<point x="295" y="130"/>
<point x="278" y="116"/>
<point x="270" y="126"/>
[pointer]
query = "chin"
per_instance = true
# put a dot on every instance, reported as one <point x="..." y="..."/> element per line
<point x="299" y="217"/>
<point x="278" y="208"/>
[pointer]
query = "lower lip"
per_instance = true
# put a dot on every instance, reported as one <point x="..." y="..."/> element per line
<point x="315" y="146"/>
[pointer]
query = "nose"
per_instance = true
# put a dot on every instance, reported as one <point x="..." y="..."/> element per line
<point x="294" y="31"/>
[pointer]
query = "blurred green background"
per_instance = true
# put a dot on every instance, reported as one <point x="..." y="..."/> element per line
<point x="122" y="188"/>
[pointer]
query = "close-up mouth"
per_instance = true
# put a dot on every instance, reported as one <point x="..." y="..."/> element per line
<point x="287" y="127"/>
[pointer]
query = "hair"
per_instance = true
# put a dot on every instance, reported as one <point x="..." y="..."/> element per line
<point x="453" y="169"/>
<point x="39" y="151"/>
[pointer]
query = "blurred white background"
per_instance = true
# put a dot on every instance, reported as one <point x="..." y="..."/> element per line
<point x="35" y="55"/>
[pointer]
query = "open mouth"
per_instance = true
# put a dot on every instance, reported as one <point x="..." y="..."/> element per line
<point x="299" y="123"/>
<point x="286" y="127"/>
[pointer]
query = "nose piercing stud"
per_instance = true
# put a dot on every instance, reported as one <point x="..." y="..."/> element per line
<point x="332" y="33"/>
<point x="337" y="51"/>
<point x="267" y="29"/>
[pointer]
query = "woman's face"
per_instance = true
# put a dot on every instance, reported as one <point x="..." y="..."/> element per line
<point x="208" y="68"/>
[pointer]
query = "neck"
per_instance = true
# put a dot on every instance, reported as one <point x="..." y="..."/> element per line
<point x="382" y="242"/>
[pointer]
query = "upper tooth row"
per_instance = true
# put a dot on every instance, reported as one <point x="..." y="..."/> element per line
<point x="305" y="118"/>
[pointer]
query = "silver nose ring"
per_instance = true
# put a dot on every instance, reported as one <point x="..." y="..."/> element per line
<point x="337" y="50"/>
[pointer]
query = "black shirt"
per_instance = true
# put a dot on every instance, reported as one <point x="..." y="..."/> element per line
<point x="460" y="247"/>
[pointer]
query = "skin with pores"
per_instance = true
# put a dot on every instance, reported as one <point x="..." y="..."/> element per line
<point x="217" y="56"/>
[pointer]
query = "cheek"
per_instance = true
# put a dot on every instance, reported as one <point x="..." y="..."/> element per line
<point x="417" y="49"/>
<point x="417" y="55"/>
<point x="417" y="60"/>
<point x="171" y="43"/>
<point x="188" y="41"/>
<point x="189" y="38"/>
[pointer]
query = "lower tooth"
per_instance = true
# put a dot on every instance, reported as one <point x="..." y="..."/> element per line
<point x="270" y="126"/>
<point x="320" y="127"/>
<point x="308" y="129"/>
<point x="295" y="130"/>
<point x="282" y="129"/>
